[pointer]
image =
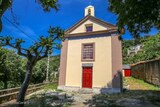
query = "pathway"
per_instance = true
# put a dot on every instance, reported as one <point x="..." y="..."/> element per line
<point x="80" y="99"/>
<point x="139" y="94"/>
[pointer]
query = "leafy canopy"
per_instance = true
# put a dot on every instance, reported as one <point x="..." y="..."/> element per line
<point x="150" y="50"/>
<point x="40" y="48"/>
<point x="138" y="16"/>
<point x="11" y="69"/>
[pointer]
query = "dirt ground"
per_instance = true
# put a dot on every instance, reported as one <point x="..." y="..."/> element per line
<point x="136" y="94"/>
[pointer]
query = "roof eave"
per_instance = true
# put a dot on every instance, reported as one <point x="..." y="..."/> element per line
<point x="90" y="33"/>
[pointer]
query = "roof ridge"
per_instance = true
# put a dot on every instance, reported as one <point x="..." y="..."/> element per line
<point x="76" y="23"/>
<point x="104" y="21"/>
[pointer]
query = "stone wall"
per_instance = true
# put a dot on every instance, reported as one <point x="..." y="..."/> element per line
<point x="148" y="71"/>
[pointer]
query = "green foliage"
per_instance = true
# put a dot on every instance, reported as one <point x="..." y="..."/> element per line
<point x="39" y="72"/>
<point x="38" y="50"/>
<point x="49" y="4"/>
<point x="40" y="69"/>
<point x="134" y="59"/>
<point x="34" y="53"/>
<point x="4" y="5"/>
<point x="138" y="16"/>
<point x="50" y="86"/>
<point x="53" y="68"/>
<point x="151" y="49"/>
<point x="126" y="44"/>
<point x="11" y="68"/>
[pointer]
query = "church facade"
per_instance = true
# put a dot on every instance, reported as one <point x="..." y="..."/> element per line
<point x="91" y="56"/>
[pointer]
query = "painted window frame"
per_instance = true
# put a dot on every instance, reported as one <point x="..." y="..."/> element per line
<point x="88" y="25"/>
<point x="89" y="60"/>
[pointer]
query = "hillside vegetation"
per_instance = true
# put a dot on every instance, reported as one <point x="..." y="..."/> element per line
<point x="12" y="69"/>
<point x="150" y="50"/>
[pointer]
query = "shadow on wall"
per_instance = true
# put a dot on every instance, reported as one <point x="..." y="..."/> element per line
<point x="114" y="86"/>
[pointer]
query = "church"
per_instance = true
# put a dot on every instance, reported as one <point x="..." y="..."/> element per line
<point x="91" y="56"/>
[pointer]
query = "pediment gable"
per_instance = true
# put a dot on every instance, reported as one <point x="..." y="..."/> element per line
<point x="98" y="25"/>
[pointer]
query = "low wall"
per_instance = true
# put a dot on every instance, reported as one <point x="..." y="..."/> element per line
<point x="148" y="71"/>
<point x="10" y="94"/>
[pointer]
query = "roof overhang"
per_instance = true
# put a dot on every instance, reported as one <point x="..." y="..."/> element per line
<point x="91" y="33"/>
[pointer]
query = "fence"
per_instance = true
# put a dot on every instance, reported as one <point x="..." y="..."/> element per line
<point x="10" y="94"/>
<point x="148" y="71"/>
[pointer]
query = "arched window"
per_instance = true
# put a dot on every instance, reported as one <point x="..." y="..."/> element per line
<point x="89" y="11"/>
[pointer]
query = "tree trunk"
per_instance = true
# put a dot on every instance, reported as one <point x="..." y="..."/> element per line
<point x="5" y="80"/>
<point x="5" y="84"/>
<point x="25" y="83"/>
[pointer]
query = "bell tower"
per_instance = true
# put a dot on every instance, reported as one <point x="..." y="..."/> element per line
<point x="89" y="10"/>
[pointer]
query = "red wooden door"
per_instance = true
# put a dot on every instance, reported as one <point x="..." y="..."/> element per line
<point x="87" y="77"/>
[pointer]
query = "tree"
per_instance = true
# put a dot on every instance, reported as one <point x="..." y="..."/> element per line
<point x="150" y="50"/>
<point x="34" y="53"/>
<point x="40" y="69"/>
<point x="39" y="49"/>
<point x="47" y="5"/>
<point x="54" y="67"/>
<point x="4" y="5"/>
<point x="152" y="47"/>
<point x="39" y="72"/>
<point x="138" y="16"/>
<point x="11" y="68"/>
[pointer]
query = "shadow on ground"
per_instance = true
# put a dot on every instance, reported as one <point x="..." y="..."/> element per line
<point x="129" y="98"/>
<point x="48" y="99"/>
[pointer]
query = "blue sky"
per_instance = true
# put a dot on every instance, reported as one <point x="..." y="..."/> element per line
<point x="35" y="22"/>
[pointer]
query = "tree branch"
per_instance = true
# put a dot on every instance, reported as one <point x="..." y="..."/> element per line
<point x="45" y="54"/>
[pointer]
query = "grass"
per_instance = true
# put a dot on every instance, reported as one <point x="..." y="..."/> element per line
<point x="50" y="86"/>
<point x="138" y="89"/>
<point x="137" y="84"/>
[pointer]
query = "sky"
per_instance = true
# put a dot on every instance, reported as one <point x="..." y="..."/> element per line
<point x="29" y="16"/>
